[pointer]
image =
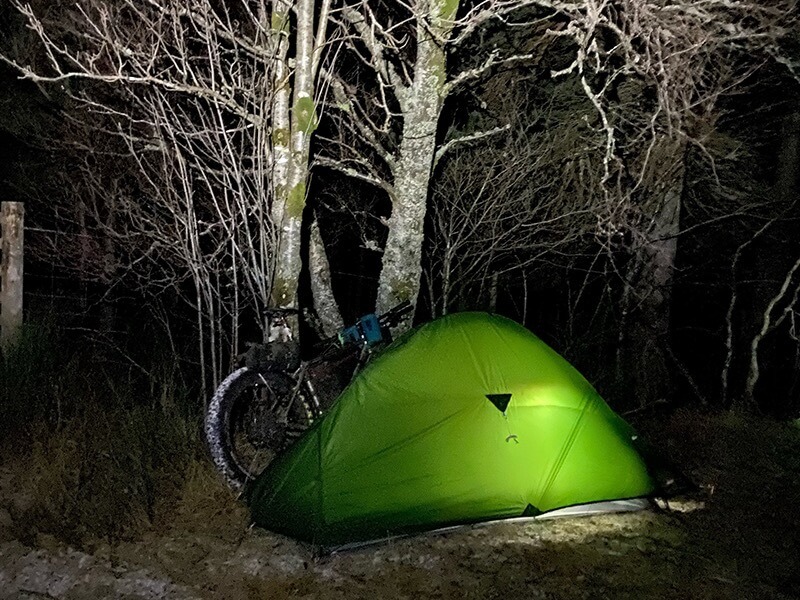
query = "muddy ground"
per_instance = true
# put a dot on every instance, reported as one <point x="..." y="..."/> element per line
<point x="737" y="536"/>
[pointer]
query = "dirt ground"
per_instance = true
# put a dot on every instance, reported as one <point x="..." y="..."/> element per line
<point x="738" y="536"/>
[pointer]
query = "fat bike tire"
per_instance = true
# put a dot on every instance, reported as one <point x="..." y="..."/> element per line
<point x="248" y="398"/>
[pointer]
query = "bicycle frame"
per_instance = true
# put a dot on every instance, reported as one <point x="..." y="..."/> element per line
<point x="306" y="377"/>
<point x="367" y="333"/>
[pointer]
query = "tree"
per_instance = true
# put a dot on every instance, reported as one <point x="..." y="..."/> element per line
<point x="782" y="306"/>
<point x="655" y="74"/>
<point x="292" y="126"/>
<point x="675" y="59"/>
<point x="214" y="105"/>
<point x="685" y="56"/>
<point x="502" y="209"/>
<point x="248" y="76"/>
<point x="404" y="49"/>
<point x="11" y="269"/>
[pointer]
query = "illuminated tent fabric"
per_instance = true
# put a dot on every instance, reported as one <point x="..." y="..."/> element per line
<point x="468" y="418"/>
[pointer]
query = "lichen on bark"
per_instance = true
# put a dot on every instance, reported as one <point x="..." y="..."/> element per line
<point x="305" y="114"/>
<point x="402" y="289"/>
<point x="279" y="22"/>
<point x="283" y="291"/>
<point x="448" y="9"/>
<point x="280" y="136"/>
<point x="438" y="72"/>
<point x="296" y="201"/>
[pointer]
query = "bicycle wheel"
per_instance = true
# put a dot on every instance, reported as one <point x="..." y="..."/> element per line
<point x="253" y="417"/>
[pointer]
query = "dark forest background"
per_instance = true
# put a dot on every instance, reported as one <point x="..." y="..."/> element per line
<point x="732" y="294"/>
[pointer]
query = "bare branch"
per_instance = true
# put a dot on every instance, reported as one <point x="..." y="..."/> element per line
<point x="490" y="63"/>
<point x="473" y="137"/>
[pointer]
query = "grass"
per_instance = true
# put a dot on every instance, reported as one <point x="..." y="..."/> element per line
<point x="29" y="387"/>
<point x="96" y="449"/>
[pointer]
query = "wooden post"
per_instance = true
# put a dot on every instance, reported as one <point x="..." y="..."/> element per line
<point x="12" y="217"/>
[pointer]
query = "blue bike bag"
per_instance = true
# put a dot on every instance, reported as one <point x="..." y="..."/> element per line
<point x="366" y="331"/>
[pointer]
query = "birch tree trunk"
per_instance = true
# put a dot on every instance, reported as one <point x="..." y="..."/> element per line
<point x="420" y="103"/>
<point x="293" y="125"/>
<point x="281" y="123"/>
<point x="11" y="270"/>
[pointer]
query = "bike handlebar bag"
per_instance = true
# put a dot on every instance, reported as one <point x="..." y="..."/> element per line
<point x="367" y="330"/>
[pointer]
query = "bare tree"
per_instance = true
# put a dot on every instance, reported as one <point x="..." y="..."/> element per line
<point x="685" y="56"/>
<point x="673" y="61"/>
<point x="187" y="92"/>
<point x="783" y="305"/>
<point x="404" y="48"/>
<point x="215" y="105"/>
<point x="500" y="209"/>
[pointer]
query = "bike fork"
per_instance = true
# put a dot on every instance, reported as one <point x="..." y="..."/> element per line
<point x="312" y="395"/>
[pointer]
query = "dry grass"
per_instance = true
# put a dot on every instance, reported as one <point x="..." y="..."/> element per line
<point x="94" y="450"/>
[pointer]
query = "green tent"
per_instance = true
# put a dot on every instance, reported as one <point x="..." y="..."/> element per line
<point x="468" y="418"/>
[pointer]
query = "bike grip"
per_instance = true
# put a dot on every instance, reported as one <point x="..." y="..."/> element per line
<point x="395" y="314"/>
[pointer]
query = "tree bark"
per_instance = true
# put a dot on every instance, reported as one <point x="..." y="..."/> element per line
<point x="787" y="183"/>
<point x="321" y="289"/>
<point x="293" y="127"/>
<point x="420" y="104"/>
<point x="647" y="304"/>
<point x="284" y="285"/>
<point x="12" y="224"/>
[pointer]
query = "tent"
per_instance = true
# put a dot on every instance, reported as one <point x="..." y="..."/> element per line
<point x="468" y="418"/>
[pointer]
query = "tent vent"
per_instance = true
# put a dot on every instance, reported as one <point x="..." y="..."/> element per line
<point x="500" y="401"/>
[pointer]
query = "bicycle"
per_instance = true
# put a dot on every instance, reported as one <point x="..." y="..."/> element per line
<point x="265" y="405"/>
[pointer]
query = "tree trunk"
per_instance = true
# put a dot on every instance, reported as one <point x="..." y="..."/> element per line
<point x="420" y="104"/>
<point x="291" y="139"/>
<point x="284" y="284"/>
<point x="787" y="183"/>
<point x="647" y="305"/>
<point x="320" y="271"/>
<point x="11" y="270"/>
<point x="108" y="314"/>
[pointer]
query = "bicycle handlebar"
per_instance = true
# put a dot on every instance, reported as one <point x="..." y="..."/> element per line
<point x="362" y="329"/>
<point x="278" y="312"/>
<point x="393" y="316"/>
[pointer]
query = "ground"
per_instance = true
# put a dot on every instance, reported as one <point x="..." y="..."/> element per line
<point x="736" y="536"/>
